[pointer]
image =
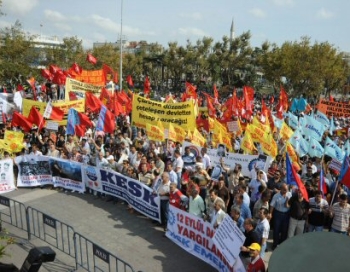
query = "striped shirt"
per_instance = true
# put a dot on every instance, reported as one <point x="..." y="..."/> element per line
<point x="341" y="217"/>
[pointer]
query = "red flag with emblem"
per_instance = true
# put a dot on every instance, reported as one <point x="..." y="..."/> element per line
<point x="90" y="58"/>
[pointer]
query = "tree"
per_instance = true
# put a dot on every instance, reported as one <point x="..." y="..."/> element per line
<point x="17" y="54"/>
<point x="304" y="68"/>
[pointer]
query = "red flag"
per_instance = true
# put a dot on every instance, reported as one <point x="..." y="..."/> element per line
<point x="248" y="93"/>
<point x="331" y="98"/>
<point x="109" y="74"/>
<point x="92" y="102"/>
<point x="36" y="117"/>
<point x="84" y="120"/>
<point x="53" y="113"/>
<point x="90" y="58"/>
<point x="210" y="106"/>
<point x="20" y="88"/>
<point x="105" y="97"/>
<point x="283" y="99"/>
<point x="190" y="91"/>
<point x="54" y="69"/>
<point x="129" y="81"/>
<point x="106" y="121"/>
<point x="46" y="74"/>
<point x="76" y="68"/>
<point x="80" y="130"/>
<point x="146" y="86"/>
<point x="216" y="95"/>
<point x="59" y="78"/>
<point x="31" y="82"/>
<point x="294" y="178"/>
<point x="235" y="106"/>
<point x="272" y="99"/>
<point x="18" y="120"/>
<point x="72" y="96"/>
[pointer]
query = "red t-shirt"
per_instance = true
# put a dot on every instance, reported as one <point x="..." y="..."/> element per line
<point x="175" y="199"/>
<point x="258" y="266"/>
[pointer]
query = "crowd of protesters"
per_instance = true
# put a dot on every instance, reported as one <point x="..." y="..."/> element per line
<point x="257" y="203"/>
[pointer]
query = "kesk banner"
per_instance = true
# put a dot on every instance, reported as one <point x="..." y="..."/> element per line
<point x="78" y="105"/>
<point x="7" y="183"/>
<point x="248" y="162"/>
<point x="149" y="111"/>
<point x="73" y="85"/>
<point x="337" y="109"/>
<point x="95" y="77"/>
<point x="195" y="235"/>
<point x="137" y="194"/>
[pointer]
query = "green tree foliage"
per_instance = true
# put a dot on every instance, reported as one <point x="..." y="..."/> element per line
<point x="17" y="54"/>
<point x="305" y="68"/>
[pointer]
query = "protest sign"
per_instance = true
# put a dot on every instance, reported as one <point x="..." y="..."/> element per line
<point x="137" y="194"/>
<point x="149" y="111"/>
<point x="248" y="162"/>
<point x="7" y="183"/>
<point x="228" y="238"/>
<point x="73" y="85"/>
<point x="194" y="235"/>
<point x="33" y="171"/>
<point x="337" y="109"/>
<point x="94" y="77"/>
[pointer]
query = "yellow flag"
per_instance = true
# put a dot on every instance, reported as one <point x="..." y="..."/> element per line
<point x="285" y="132"/>
<point x="155" y="133"/>
<point x="247" y="144"/>
<point x="197" y="138"/>
<point x="13" y="141"/>
<point x="269" y="146"/>
<point x="264" y="127"/>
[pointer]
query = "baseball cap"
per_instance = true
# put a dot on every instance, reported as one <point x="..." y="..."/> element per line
<point x="255" y="246"/>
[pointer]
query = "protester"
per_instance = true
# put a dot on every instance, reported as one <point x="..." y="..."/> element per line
<point x="256" y="263"/>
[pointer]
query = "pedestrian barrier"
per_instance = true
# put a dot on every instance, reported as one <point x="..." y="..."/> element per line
<point x="88" y="255"/>
<point x="13" y="213"/>
<point x="92" y="257"/>
<point x="50" y="230"/>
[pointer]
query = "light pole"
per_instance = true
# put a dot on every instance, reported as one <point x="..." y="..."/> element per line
<point x="121" y="47"/>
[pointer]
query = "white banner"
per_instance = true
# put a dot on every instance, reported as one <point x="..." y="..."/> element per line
<point x="228" y="238"/>
<point x="194" y="235"/>
<point x="7" y="183"/>
<point x="248" y="162"/>
<point x="42" y="170"/>
<point x="137" y="194"/>
<point x="33" y="171"/>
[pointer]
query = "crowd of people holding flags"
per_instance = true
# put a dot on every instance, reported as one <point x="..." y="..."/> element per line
<point x="304" y="187"/>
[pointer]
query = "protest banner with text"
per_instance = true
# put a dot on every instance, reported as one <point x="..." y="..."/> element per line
<point x="194" y="235"/>
<point x="73" y="85"/>
<point x="149" y="111"/>
<point x="337" y="109"/>
<point x="7" y="182"/>
<point x="137" y="194"/>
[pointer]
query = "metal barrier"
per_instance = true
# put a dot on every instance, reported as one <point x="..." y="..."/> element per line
<point x="13" y="213"/>
<point x="88" y="255"/>
<point x="92" y="257"/>
<point x="50" y="230"/>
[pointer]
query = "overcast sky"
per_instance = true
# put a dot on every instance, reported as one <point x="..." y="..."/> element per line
<point x="178" y="20"/>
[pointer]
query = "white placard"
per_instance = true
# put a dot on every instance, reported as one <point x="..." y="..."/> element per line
<point x="50" y="125"/>
<point x="228" y="238"/>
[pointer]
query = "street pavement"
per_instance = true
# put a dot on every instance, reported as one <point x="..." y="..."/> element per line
<point x="131" y="237"/>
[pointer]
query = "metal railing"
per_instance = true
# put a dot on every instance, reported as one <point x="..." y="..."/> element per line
<point x="88" y="255"/>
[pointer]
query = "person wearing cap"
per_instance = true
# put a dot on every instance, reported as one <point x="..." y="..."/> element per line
<point x="256" y="263"/>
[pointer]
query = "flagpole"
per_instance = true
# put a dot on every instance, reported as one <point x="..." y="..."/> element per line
<point x="121" y="48"/>
<point x="335" y="190"/>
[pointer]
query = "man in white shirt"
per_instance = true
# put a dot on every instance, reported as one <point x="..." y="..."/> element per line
<point x="178" y="165"/>
<point x="196" y="204"/>
<point x="205" y="159"/>
<point x="164" y="193"/>
<point x="35" y="150"/>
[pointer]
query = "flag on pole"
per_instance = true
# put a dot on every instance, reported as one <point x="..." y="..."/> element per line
<point x="53" y="113"/>
<point x="106" y="121"/>
<point x="294" y="178"/>
<point x="90" y="58"/>
<point x="18" y="120"/>
<point x="35" y="117"/>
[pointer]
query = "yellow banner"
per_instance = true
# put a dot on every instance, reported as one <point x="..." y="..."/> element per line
<point x="148" y="111"/>
<point x="13" y="141"/>
<point x="197" y="138"/>
<point x="78" y="105"/>
<point x="155" y="133"/>
<point x="73" y="85"/>
<point x="95" y="77"/>
<point x="269" y="146"/>
<point x="286" y="132"/>
<point x="257" y="133"/>
<point x="247" y="144"/>
<point x="176" y="133"/>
